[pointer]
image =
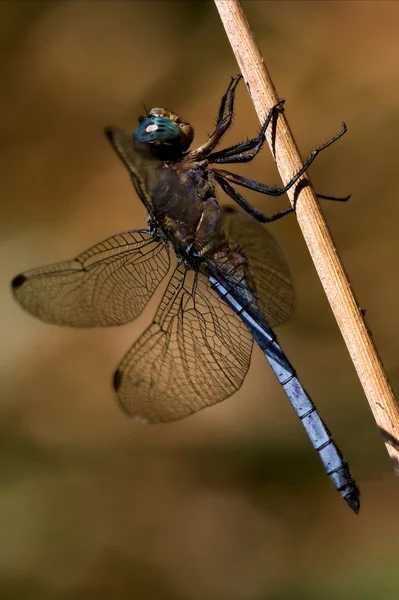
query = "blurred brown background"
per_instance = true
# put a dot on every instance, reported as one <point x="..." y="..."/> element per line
<point x="233" y="502"/>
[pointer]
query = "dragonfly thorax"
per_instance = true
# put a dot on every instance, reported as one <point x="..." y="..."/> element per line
<point x="184" y="207"/>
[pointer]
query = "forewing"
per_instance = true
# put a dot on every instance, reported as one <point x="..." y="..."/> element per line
<point x="194" y="354"/>
<point x="268" y="286"/>
<point x="109" y="284"/>
<point x="140" y="169"/>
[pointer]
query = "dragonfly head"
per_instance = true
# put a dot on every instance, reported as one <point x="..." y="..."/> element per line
<point x="168" y="134"/>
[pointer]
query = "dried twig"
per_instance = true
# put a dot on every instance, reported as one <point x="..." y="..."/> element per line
<point x="315" y="231"/>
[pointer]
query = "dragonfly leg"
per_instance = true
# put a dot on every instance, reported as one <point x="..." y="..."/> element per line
<point x="245" y="151"/>
<point x="271" y="190"/>
<point x="335" y="198"/>
<point x="245" y="205"/>
<point x="251" y="210"/>
<point x="223" y="122"/>
<point x="233" y="82"/>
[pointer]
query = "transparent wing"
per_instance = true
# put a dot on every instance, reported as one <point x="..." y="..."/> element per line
<point x="140" y="168"/>
<point x="109" y="284"/>
<point x="195" y="353"/>
<point x="253" y="264"/>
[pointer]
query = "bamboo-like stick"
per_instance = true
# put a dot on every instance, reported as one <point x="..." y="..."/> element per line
<point x="315" y="231"/>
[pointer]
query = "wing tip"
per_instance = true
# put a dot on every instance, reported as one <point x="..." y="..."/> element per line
<point x="109" y="134"/>
<point x="112" y="133"/>
<point x="117" y="379"/>
<point x="18" y="281"/>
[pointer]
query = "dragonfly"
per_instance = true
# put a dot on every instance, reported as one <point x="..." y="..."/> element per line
<point x="230" y="283"/>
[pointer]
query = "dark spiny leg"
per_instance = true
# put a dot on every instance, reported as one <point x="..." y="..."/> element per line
<point x="271" y="190"/>
<point x="222" y="124"/>
<point x="224" y="100"/>
<point x="263" y="188"/>
<point x="245" y="151"/>
<point x="336" y="199"/>
<point x="245" y="205"/>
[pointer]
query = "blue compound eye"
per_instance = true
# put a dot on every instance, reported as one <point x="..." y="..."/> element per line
<point x="159" y="130"/>
<point x="166" y="134"/>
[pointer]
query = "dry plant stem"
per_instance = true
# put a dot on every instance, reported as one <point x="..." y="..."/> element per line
<point x="315" y="231"/>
